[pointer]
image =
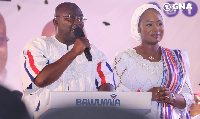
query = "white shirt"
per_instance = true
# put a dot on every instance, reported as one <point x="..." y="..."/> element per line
<point x="81" y="74"/>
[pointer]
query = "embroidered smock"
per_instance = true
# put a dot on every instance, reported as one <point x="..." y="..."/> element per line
<point x="80" y="75"/>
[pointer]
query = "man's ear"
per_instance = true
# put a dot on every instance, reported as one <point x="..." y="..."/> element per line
<point x="55" y="22"/>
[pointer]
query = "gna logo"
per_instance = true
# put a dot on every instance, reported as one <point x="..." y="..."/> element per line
<point x="176" y="6"/>
<point x="171" y="8"/>
<point x="188" y="8"/>
<point x="99" y="102"/>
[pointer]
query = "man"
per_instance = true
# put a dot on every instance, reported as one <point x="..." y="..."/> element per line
<point x="3" y="50"/>
<point x="57" y="63"/>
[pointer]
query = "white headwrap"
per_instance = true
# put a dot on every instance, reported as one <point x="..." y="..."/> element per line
<point x="136" y="17"/>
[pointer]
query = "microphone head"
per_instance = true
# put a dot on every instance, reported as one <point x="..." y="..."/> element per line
<point x="78" y="32"/>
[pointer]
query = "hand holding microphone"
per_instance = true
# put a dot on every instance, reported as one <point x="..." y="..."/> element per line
<point x="78" y="32"/>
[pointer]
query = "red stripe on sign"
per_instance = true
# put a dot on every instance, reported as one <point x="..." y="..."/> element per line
<point x="31" y="61"/>
<point x="101" y="75"/>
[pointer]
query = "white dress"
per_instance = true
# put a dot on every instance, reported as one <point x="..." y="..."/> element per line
<point x="133" y="73"/>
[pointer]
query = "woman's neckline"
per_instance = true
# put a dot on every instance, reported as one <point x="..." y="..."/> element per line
<point x="141" y="57"/>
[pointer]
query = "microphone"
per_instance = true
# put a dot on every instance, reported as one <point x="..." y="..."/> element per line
<point x="78" y="32"/>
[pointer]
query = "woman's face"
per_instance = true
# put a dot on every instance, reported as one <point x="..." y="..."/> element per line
<point x="151" y="27"/>
<point x="195" y="107"/>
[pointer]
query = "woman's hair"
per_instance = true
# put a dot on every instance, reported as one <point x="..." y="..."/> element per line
<point x="136" y="19"/>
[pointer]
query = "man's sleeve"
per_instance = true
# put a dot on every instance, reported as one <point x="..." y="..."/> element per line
<point x="33" y="60"/>
<point x="104" y="73"/>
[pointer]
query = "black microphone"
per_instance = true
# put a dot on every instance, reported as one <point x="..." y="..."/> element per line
<point x="78" y="32"/>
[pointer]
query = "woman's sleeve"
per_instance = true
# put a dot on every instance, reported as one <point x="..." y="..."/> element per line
<point x="187" y="89"/>
<point x="120" y="71"/>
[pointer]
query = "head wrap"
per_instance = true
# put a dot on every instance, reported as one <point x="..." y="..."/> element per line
<point x="136" y="17"/>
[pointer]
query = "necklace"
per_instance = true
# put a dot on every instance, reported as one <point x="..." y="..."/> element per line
<point x="151" y="57"/>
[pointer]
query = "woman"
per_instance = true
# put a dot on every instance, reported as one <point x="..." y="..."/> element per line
<point x="150" y="67"/>
<point x="195" y="107"/>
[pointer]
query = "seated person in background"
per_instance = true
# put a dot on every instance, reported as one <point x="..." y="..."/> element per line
<point x="195" y="107"/>
<point x="57" y="63"/>
<point x="11" y="106"/>
<point x="48" y="29"/>
<point x="150" y="67"/>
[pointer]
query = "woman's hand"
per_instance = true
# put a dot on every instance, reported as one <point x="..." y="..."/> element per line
<point x="164" y="95"/>
<point x="161" y="95"/>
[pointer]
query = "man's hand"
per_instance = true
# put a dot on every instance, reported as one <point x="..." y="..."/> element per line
<point x="80" y="45"/>
<point x="106" y="87"/>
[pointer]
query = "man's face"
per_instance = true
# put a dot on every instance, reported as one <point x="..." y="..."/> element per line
<point x="65" y="22"/>
<point x="3" y="44"/>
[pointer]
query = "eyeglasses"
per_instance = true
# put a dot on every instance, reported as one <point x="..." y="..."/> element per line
<point x="3" y="40"/>
<point x="72" y="18"/>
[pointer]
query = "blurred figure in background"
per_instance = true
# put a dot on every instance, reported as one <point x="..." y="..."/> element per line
<point x="48" y="29"/>
<point x="3" y="50"/>
<point x="3" y="57"/>
<point x="195" y="107"/>
<point x="11" y="106"/>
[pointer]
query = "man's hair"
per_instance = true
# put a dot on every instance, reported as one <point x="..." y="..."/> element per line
<point x="63" y="5"/>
